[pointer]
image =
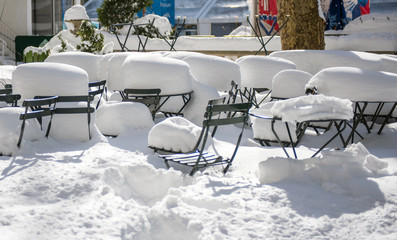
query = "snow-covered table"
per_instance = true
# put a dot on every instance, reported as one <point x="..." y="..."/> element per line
<point x="285" y="121"/>
<point x="172" y="76"/>
<point x="373" y="92"/>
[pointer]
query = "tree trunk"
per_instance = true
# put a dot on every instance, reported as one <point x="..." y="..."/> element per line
<point x="305" y="28"/>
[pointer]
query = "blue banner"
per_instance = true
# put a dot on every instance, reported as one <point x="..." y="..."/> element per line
<point x="164" y="8"/>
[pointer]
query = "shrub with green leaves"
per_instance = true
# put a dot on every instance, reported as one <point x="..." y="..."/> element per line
<point x="120" y="11"/>
<point x="91" y="41"/>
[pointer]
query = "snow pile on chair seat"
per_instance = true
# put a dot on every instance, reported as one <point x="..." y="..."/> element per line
<point x="313" y="107"/>
<point x="290" y="83"/>
<point x="87" y="61"/>
<point x="113" y="118"/>
<point x="261" y="119"/>
<point x="172" y="76"/>
<point x="175" y="134"/>
<point x="258" y="71"/>
<point x="10" y="127"/>
<point x="313" y="61"/>
<point x="214" y="71"/>
<point x="356" y="84"/>
<point x="49" y="79"/>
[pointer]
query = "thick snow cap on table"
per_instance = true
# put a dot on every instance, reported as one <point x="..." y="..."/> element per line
<point x="172" y="76"/>
<point x="114" y="66"/>
<point x="290" y="83"/>
<point x="356" y="84"/>
<point x="214" y="71"/>
<point x="174" y="134"/>
<point x="313" y="61"/>
<point x="313" y="107"/>
<point x="49" y="79"/>
<point x="258" y="71"/>
<point x="87" y="61"/>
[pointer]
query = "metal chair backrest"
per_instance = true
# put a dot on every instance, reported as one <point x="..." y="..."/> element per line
<point x="97" y="88"/>
<point x="37" y="108"/>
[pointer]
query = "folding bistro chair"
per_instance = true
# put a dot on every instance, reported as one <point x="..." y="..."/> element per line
<point x="75" y="109"/>
<point x="216" y="115"/>
<point x="8" y="97"/>
<point x="37" y="108"/>
<point x="149" y="97"/>
<point x="97" y="88"/>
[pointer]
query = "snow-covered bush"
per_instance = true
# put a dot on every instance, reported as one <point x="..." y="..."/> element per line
<point x="120" y="11"/>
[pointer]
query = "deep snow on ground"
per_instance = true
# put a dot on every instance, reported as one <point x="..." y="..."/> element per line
<point x="118" y="188"/>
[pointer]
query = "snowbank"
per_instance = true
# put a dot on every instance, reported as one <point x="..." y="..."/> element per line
<point x="355" y="84"/>
<point x="258" y="71"/>
<point x="335" y="171"/>
<point x="87" y="61"/>
<point x="214" y="71"/>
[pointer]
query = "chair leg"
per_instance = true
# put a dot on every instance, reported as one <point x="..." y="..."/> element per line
<point x="21" y="133"/>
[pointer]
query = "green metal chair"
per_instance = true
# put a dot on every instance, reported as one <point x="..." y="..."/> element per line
<point x="37" y="108"/>
<point x="97" y="88"/>
<point x="149" y="97"/>
<point x="217" y="114"/>
<point x="8" y="97"/>
<point x="75" y="110"/>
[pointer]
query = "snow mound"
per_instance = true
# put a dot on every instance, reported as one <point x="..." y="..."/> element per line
<point x="258" y="71"/>
<point x="214" y="71"/>
<point x="49" y="79"/>
<point x="290" y="83"/>
<point x="175" y="134"/>
<point x="242" y="31"/>
<point x="312" y="107"/>
<point x="312" y="61"/>
<point x="10" y="127"/>
<point x="87" y="61"/>
<point x="355" y="84"/>
<point x="142" y="183"/>
<point x="334" y="171"/>
<point x="113" y="118"/>
<point x="172" y="76"/>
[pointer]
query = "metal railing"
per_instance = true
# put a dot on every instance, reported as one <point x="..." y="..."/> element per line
<point x="3" y="47"/>
<point x="8" y="35"/>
